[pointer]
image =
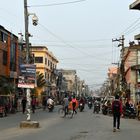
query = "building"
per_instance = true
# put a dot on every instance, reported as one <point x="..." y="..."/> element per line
<point x="113" y="79"/>
<point x="132" y="72"/>
<point x="69" y="76"/>
<point x="9" y="54"/>
<point x="46" y="63"/>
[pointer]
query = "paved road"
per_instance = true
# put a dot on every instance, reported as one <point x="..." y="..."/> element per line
<point x="84" y="126"/>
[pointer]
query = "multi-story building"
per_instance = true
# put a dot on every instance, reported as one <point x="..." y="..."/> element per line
<point x="70" y="78"/>
<point x="132" y="72"/>
<point x="113" y="80"/>
<point x="45" y="61"/>
<point x="9" y="54"/>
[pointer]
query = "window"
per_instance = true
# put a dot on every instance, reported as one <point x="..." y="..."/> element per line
<point x="4" y="58"/>
<point x="45" y="61"/>
<point x="138" y="73"/>
<point x="3" y="37"/>
<point x="45" y="75"/>
<point x="38" y="59"/>
<point x="13" y="57"/>
<point x="48" y="62"/>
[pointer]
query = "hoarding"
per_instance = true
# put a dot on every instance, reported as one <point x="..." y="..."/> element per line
<point x="27" y="76"/>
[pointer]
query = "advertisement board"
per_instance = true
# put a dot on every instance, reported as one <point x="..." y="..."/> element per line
<point x="27" y="76"/>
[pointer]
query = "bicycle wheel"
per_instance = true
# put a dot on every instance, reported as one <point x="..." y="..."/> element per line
<point x="70" y="114"/>
<point x="61" y="112"/>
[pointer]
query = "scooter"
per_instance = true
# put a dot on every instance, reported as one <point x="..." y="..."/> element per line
<point x="50" y="107"/>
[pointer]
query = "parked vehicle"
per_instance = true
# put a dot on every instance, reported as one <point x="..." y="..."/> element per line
<point x="104" y="109"/>
<point x="130" y="112"/>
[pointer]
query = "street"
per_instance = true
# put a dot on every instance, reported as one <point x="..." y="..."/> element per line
<point x="83" y="126"/>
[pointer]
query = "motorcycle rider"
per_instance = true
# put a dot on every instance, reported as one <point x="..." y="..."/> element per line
<point x="138" y="110"/>
<point x="50" y="102"/>
<point x="96" y="103"/>
<point x="90" y="102"/>
<point x="82" y="101"/>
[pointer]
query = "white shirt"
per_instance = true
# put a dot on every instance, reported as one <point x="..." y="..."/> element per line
<point x="50" y="101"/>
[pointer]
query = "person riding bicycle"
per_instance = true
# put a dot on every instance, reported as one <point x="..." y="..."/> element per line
<point x="65" y="104"/>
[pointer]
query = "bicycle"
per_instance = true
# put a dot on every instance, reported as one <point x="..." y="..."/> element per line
<point x="61" y="112"/>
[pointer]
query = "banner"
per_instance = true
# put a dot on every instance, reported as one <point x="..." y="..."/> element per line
<point x="27" y="76"/>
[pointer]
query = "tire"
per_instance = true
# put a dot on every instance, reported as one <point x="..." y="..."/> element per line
<point x="70" y="114"/>
<point x="61" y="112"/>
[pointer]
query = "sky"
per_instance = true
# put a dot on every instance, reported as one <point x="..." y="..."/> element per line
<point x="78" y="32"/>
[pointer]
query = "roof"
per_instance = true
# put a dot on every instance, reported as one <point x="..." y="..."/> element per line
<point x="135" y="5"/>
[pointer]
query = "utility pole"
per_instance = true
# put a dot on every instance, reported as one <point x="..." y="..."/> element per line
<point x="27" y="58"/>
<point x="26" y="31"/>
<point x="28" y="123"/>
<point x="121" y="69"/>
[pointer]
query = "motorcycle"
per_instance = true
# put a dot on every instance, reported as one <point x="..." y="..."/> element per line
<point x="81" y="107"/>
<point x="89" y="104"/>
<point x="50" y="107"/>
<point x="96" y="108"/>
<point x="130" y="113"/>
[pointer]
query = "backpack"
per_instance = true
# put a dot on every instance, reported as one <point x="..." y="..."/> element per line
<point x="73" y="102"/>
<point x="116" y="107"/>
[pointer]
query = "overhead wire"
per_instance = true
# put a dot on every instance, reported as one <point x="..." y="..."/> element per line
<point x="131" y="27"/>
<point x="66" y="43"/>
<point x="57" y="4"/>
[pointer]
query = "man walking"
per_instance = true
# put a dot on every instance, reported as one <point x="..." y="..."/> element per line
<point x="117" y="111"/>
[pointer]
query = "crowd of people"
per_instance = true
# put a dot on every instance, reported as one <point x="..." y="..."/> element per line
<point x="116" y="107"/>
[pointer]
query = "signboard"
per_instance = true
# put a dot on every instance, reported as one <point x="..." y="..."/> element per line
<point x="27" y="76"/>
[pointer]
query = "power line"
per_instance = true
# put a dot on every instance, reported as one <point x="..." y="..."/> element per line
<point x="130" y="28"/>
<point x="66" y="43"/>
<point x="56" y="4"/>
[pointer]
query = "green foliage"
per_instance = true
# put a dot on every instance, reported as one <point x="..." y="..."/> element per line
<point x="6" y="86"/>
<point x="41" y="82"/>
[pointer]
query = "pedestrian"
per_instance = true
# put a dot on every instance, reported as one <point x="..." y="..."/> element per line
<point x="138" y="110"/>
<point x="117" y="111"/>
<point x="24" y="102"/>
<point x="44" y="102"/>
<point x="65" y="104"/>
<point x="33" y="104"/>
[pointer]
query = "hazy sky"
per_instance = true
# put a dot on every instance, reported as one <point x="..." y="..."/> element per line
<point x="79" y="34"/>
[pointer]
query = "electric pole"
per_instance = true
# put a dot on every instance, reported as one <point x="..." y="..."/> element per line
<point x="121" y="68"/>
<point x="28" y="123"/>
<point x="26" y="31"/>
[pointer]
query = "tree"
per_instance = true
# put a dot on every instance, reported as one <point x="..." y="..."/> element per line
<point x="6" y="86"/>
<point x="41" y="82"/>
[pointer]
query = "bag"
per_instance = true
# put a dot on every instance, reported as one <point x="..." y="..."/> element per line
<point x="116" y="107"/>
<point x="73" y="102"/>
